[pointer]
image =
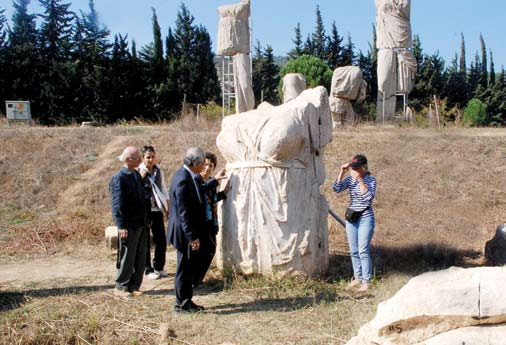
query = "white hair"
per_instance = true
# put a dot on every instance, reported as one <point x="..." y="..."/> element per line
<point x="127" y="153"/>
<point x="194" y="155"/>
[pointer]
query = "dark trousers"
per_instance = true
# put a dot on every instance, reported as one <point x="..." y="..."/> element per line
<point x="183" y="279"/>
<point x="204" y="256"/>
<point x="160" y="241"/>
<point x="132" y="257"/>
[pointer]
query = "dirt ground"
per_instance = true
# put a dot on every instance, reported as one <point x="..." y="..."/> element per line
<point x="440" y="197"/>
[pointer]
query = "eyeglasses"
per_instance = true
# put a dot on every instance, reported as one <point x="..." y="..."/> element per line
<point x="133" y="159"/>
<point x="145" y="149"/>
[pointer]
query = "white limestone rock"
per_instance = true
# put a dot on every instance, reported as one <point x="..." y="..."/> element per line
<point x="483" y="335"/>
<point x="111" y="237"/>
<point x="274" y="220"/>
<point x="435" y="303"/>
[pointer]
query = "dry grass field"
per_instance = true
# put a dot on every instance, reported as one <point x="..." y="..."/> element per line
<point x="441" y="194"/>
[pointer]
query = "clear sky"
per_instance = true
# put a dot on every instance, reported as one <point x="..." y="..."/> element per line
<point x="438" y="23"/>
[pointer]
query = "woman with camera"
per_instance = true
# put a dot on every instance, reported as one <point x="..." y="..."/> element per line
<point x="359" y="217"/>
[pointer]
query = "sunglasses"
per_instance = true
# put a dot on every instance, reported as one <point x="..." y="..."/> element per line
<point x="145" y="149"/>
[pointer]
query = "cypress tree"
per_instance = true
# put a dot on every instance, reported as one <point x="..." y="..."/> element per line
<point x="483" y="64"/>
<point x="334" y="49"/>
<point x="474" y="76"/>
<point x="308" y="46"/>
<point x="319" y="37"/>
<point x="207" y="84"/>
<point x="3" y="57"/>
<point x="348" y="54"/>
<point x="56" y="30"/>
<point x="270" y="76"/>
<point x="258" y="63"/>
<point x="92" y="50"/>
<point x="491" y="80"/>
<point x="463" y="66"/>
<point x="23" y="57"/>
<point x="298" y="49"/>
<point x="157" y="63"/>
<point x="56" y="70"/>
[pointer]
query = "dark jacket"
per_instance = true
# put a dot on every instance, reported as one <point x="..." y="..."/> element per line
<point x="187" y="220"/>
<point x="128" y="201"/>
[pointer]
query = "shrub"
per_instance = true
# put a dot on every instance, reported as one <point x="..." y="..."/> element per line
<point x="315" y="70"/>
<point x="475" y="113"/>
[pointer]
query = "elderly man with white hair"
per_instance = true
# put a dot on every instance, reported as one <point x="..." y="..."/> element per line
<point x="187" y="223"/>
<point x="128" y="205"/>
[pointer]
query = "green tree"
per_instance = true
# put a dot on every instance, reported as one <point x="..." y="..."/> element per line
<point x="3" y="56"/>
<point x="192" y="50"/>
<point x="463" y="65"/>
<point x="56" y="30"/>
<point x="430" y="81"/>
<point x="491" y="77"/>
<point x="257" y="69"/>
<point x="22" y="54"/>
<point x="475" y="113"/>
<point x="319" y="37"/>
<point x="297" y="41"/>
<point x="157" y="63"/>
<point x="207" y="84"/>
<point x="483" y="63"/>
<point x="348" y="54"/>
<point x="473" y="77"/>
<point x="315" y="71"/>
<point x="454" y="84"/>
<point x="270" y="76"/>
<point x="56" y="71"/>
<point x="333" y="49"/>
<point x="92" y="81"/>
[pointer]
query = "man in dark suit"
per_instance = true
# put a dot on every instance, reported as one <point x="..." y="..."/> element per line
<point x="128" y="205"/>
<point x="187" y="223"/>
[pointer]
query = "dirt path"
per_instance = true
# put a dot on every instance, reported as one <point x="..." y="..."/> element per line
<point x="64" y="269"/>
<point x="103" y="162"/>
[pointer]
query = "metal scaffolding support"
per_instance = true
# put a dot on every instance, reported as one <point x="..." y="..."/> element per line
<point x="227" y="86"/>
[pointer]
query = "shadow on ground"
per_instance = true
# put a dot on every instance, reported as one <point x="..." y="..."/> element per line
<point x="413" y="260"/>
<point x="285" y="304"/>
<point x="10" y="300"/>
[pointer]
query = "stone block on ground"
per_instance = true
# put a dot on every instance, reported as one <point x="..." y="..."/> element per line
<point x="435" y="303"/>
<point x="111" y="237"/>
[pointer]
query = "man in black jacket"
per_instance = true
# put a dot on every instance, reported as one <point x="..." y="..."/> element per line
<point x="187" y="223"/>
<point x="128" y="205"/>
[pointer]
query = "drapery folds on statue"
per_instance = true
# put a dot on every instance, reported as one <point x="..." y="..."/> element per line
<point x="396" y="63"/>
<point x="274" y="220"/>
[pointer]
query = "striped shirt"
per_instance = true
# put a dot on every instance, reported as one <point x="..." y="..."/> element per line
<point x="359" y="201"/>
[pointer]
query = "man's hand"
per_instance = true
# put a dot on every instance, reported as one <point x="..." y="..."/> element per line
<point x="222" y="175"/>
<point x="123" y="233"/>
<point x="195" y="245"/>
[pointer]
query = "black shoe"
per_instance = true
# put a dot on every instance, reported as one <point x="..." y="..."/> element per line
<point x="195" y="307"/>
<point x="189" y="307"/>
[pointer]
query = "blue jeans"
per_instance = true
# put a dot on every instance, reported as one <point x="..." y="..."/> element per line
<point x="359" y="238"/>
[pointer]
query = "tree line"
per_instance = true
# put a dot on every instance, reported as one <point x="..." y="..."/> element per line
<point x="70" y="70"/>
<point x="474" y="94"/>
